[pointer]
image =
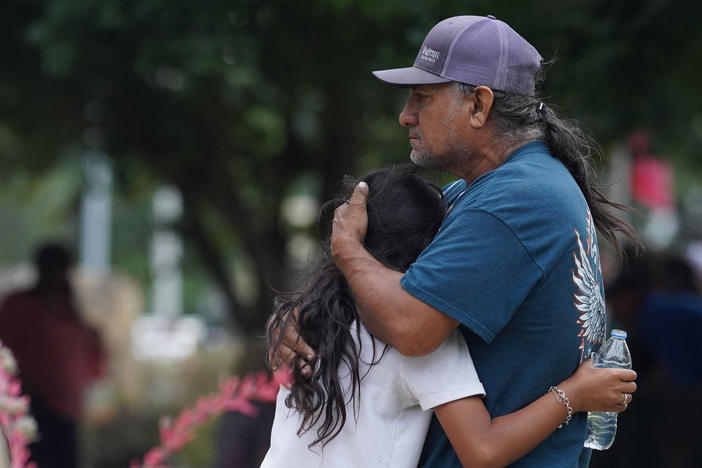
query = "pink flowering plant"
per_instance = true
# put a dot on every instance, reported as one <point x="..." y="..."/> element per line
<point x="17" y="425"/>
<point x="234" y="394"/>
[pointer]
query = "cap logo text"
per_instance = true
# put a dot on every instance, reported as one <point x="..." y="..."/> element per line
<point x="430" y="55"/>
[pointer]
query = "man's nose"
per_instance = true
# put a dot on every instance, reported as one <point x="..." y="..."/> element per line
<point x="408" y="116"/>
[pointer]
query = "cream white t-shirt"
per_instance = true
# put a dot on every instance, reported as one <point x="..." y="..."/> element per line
<point x="396" y="396"/>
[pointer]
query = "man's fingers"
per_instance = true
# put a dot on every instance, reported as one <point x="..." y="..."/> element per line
<point x="284" y="356"/>
<point x="360" y="194"/>
<point x="305" y="368"/>
<point x="287" y="356"/>
<point x="293" y="341"/>
<point x="292" y="347"/>
<point x="350" y="221"/>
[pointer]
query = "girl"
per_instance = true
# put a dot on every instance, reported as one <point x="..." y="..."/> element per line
<point x="366" y="405"/>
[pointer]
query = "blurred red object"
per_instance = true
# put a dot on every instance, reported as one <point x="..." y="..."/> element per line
<point x="651" y="177"/>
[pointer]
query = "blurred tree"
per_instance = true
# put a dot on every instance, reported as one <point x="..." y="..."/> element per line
<point x="236" y="102"/>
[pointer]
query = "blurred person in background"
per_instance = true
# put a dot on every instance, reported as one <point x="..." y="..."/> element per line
<point x="243" y="439"/>
<point x="57" y="353"/>
<point x="657" y="299"/>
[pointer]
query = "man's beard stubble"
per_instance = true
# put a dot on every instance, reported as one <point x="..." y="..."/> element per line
<point x="453" y="161"/>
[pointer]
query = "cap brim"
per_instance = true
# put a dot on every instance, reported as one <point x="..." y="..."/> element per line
<point x="409" y="76"/>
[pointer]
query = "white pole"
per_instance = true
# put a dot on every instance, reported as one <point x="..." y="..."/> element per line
<point x="166" y="253"/>
<point x="96" y="213"/>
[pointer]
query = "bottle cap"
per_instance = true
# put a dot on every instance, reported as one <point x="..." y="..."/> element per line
<point x="619" y="334"/>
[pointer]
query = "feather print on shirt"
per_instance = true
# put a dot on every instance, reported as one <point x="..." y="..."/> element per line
<point x="589" y="294"/>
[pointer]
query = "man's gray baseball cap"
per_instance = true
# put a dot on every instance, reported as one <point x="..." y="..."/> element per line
<point x="476" y="50"/>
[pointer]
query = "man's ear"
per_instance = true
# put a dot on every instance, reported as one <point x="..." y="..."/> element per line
<point x="481" y="100"/>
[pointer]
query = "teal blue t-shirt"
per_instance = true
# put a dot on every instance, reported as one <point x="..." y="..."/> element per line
<point x="516" y="262"/>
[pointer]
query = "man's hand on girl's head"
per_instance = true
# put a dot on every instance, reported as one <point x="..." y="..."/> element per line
<point x="350" y="223"/>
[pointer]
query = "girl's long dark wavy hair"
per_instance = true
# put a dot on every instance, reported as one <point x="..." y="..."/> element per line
<point x="404" y="213"/>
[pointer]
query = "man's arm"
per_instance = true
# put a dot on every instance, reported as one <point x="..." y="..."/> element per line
<point x="388" y="311"/>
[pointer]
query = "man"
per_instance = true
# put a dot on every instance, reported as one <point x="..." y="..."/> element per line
<point x="57" y="353"/>
<point x="515" y="264"/>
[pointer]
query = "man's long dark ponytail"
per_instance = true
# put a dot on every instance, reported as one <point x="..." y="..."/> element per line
<point x="520" y="117"/>
<point x="570" y="145"/>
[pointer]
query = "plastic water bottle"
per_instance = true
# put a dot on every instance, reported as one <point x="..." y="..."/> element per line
<point x="602" y="426"/>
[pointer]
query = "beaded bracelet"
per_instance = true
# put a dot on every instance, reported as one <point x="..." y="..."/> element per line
<point x="562" y="398"/>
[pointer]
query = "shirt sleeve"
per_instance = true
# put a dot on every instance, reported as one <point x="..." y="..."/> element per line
<point x="475" y="270"/>
<point x="447" y="374"/>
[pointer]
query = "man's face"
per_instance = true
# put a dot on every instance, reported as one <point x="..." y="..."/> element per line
<point x="437" y="119"/>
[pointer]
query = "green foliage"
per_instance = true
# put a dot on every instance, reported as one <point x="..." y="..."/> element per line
<point x="49" y="198"/>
